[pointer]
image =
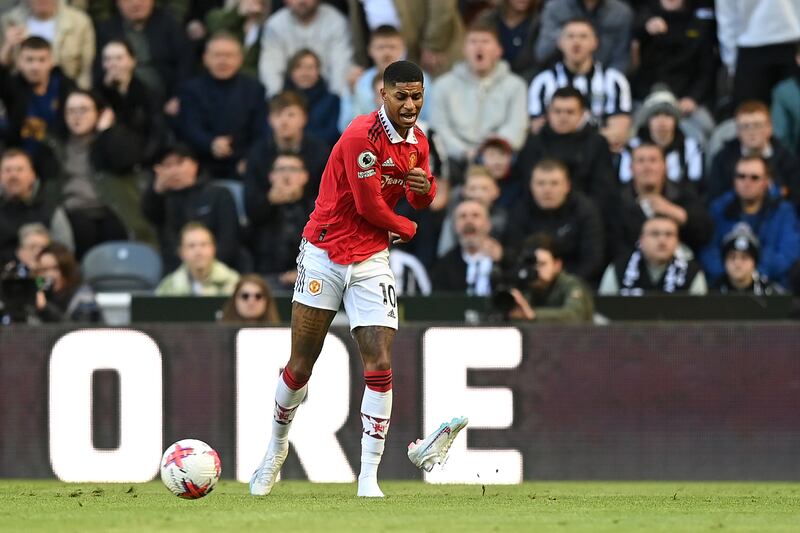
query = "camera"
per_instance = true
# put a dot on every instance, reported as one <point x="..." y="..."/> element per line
<point x="520" y="276"/>
<point x="18" y="293"/>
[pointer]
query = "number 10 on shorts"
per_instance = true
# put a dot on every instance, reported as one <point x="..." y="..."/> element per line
<point x="389" y="295"/>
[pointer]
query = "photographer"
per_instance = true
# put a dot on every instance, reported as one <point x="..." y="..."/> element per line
<point x="62" y="297"/>
<point x="548" y="294"/>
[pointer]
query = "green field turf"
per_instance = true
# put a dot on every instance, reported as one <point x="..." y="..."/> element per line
<point x="51" y="506"/>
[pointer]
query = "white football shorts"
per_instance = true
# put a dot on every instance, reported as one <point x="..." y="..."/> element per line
<point x="367" y="287"/>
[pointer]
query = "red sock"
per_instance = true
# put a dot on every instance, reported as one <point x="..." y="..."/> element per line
<point x="379" y="380"/>
<point x="291" y="381"/>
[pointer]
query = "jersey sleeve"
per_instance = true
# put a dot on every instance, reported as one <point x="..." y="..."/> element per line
<point x="364" y="176"/>
<point x="421" y="201"/>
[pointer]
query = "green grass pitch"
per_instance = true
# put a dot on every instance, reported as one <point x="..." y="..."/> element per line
<point x="31" y="506"/>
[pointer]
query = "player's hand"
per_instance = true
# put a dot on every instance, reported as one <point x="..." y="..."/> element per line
<point x="396" y="239"/>
<point x="417" y="180"/>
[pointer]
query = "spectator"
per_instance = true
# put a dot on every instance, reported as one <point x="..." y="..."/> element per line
<point x="32" y="239"/>
<point x="287" y="120"/>
<point x="200" y="274"/>
<point x="651" y="194"/>
<point x="131" y="101"/>
<point x="610" y="19"/>
<point x="567" y="137"/>
<point x="740" y="249"/>
<point x="68" y="30"/>
<point x="251" y="303"/>
<point x="244" y="19"/>
<point x="323" y="106"/>
<point x="497" y="157"/>
<point x="754" y="137"/>
<point x="386" y="46"/>
<point x="179" y="195"/>
<point x="306" y="24"/>
<point x="661" y="121"/>
<point x="673" y="46"/>
<point x="480" y="186"/>
<point x="567" y="215"/>
<point x="485" y="85"/>
<point x="164" y="58"/>
<point x="551" y="295"/>
<point x="606" y="89"/>
<point x="222" y="113"/>
<point x="785" y="109"/>
<point x="773" y="220"/>
<point x="433" y="31"/>
<point x="22" y="201"/>
<point x="467" y="268"/>
<point x="40" y="90"/>
<point x="757" y="43"/>
<point x="657" y="266"/>
<point x="278" y="209"/>
<point x="100" y="188"/>
<point x="64" y="298"/>
<point x="517" y="23"/>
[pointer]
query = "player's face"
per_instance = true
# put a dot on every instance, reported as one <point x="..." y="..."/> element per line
<point x="35" y="65"/>
<point x="197" y="250"/>
<point x="251" y="302"/>
<point x="16" y="177"/>
<point x="80" y="114"/>
<point x="739" y="266"/>
<point x="223" y="58"/>
<point x="550" y="188"/>
<point x="564" y="115"/>
<point x="649" y="169"/>
<point x="577" y="42"/>
<point x="659" y="240"/>
<point x="403" y="102"/>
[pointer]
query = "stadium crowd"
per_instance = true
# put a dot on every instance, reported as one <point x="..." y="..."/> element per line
<point x="581" y="146"/>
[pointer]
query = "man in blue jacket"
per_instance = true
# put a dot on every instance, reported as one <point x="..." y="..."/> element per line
<point x="773" y="220"/>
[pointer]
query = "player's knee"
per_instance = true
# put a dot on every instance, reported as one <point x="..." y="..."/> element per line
<point x="378" y="362"/>
<point x="300" y="369"/>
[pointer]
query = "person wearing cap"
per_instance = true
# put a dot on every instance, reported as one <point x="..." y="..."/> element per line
<point x="740" y="249"/>
<point x="773" y="220"/>
<point x="660" y="124"/>
<point x="178" y="195"/>
<point x="754" y="137"/>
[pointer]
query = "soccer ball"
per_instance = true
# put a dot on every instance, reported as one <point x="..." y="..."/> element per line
<point x="190" y="468"/>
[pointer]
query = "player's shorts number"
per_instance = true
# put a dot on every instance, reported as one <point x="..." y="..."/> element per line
<point x="389" y="295"/>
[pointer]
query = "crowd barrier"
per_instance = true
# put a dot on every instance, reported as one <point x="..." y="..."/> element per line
<point x="636" y="401"/>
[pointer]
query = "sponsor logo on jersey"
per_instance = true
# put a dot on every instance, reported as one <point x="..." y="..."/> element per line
<point x="412" y="160"/>
<point x="367" y="159"/>
<point x="388" y="163"/>
<point x="387" y="180"/>
<point x="367" y="173"/>
<point x="315" y="287"/>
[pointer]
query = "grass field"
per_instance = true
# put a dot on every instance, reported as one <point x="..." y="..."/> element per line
<point x="51" y="506"/>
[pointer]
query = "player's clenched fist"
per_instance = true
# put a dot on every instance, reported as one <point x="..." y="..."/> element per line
<point x="417" y="180"/>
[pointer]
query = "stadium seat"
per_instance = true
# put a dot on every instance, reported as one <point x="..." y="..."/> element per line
<point x="122" y="266"/>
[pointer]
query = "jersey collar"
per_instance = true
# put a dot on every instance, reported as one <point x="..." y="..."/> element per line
<point x="394" y="136"/>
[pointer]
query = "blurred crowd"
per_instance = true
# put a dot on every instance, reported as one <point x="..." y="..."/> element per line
<point x="613" y="147"/>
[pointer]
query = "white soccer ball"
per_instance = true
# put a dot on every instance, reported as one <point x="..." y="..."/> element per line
<point x="190" y="468"/>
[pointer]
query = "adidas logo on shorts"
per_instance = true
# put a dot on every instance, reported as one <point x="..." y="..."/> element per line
<point x="391" y="314"/>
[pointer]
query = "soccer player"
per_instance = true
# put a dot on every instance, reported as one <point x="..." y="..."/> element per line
<point x="344" y="256"/>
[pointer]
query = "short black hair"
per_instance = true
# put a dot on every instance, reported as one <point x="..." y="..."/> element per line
<point x="35" y="43"/>
<point x="402" y="72"/>
<point x="570" y="92"/>
<point x="546" y="242"/>
<point x="385" y="30"/>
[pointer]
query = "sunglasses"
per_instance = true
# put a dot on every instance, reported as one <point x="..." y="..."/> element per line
<point x="752" y="177"/>
<point x="257" y="296"/>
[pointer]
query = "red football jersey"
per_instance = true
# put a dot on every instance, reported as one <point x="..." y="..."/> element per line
<point x="363" y="180"/>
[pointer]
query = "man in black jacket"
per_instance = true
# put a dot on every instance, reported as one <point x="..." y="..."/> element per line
<point x="223" y="113"/>
<point x="164" y="58"/>
<point x="567" y="215"/>
<point x="178" y="196"/>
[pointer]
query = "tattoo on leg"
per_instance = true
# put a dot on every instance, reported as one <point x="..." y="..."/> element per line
<point x="375" y="344"/>
<point x="309" y="327"/>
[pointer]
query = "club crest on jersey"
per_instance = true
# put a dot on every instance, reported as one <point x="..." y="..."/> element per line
<point x="412" y="160"/>
<point x="367" y="159"/>
<point x="314" y="287"/>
